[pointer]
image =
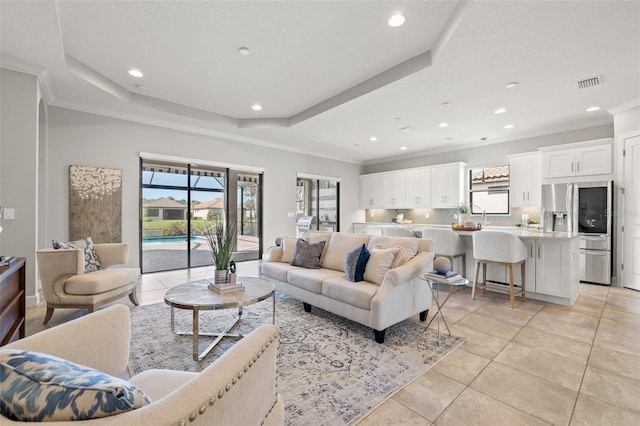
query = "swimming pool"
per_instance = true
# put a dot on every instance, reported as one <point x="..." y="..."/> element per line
<point x="171" y="240"/>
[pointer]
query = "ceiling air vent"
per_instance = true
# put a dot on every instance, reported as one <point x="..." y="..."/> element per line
<point x="589" y="82"/>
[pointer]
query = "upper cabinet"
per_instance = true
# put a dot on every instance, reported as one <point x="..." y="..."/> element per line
<point x="394" y="190"/>
<point x="578" y="161"/>
<point x="525" y="180"/>
<point x="418" y="189"/>
<point x="447" y="185"/>
<point x="371" y="191"/>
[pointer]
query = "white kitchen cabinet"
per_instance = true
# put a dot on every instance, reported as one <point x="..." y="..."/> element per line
<point x="366" y="229"/>
<point x="418" y="189"/>
<point x="371" y="191"/>
<point x="394" y="190"/>
<point x="525" y="180"/>
<point x="583" y="161"/>
<point x="447" y="185"/>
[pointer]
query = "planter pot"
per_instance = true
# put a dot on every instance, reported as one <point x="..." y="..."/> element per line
<point x="222" y="276"/>
<point x="463" y="217"/>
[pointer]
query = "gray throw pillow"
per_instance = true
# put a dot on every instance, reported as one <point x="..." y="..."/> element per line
<point x="356" y="263"/>
<point x="307" y="255"/>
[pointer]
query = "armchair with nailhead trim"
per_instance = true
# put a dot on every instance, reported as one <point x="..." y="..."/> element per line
<point x="239" y="388"/>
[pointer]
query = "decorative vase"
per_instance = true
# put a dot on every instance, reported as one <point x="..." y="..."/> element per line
<point x="221" y="276"/>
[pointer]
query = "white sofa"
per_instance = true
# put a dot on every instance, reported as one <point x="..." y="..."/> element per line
<point x="239" y="388"/>
<point x="398" y="296"/>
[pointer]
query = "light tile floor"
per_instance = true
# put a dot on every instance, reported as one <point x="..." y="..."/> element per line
<point x="539" y="363"/>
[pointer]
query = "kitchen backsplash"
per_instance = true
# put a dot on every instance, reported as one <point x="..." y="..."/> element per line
<point x="441" y="216"/>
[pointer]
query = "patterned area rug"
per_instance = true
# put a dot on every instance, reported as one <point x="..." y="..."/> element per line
<point x="331" y="371"/>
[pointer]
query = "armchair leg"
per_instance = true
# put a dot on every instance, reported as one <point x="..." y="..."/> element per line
<point x="307" y="307"/>
<point x="423" y="315"/>
<point x="48" y="315"/>
<point x="379" y="335"/>
<point x="134" y="297"/>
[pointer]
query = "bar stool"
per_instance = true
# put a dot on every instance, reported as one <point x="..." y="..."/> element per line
<point x="449" y="244"/>
<point x="500" y="248"/>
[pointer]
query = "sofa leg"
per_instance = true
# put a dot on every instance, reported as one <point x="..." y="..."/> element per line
<point x="134" y="298"/>
<point x="48" y="315"/>
<point x="423" y="315"/>
<point x="307" y="307"/>
<point x="379" y="335"/>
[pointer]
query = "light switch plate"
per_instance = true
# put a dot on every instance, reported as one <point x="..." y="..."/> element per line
<point x="9" y="213"/>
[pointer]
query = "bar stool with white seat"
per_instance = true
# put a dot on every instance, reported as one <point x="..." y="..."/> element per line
<point x="449" y="244"/>
<point x="500" y="248"/>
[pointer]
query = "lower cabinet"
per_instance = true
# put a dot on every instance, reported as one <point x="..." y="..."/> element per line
<point x="362" y="229"/>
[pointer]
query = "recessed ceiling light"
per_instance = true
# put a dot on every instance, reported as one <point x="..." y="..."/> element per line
<point x="512" y="85"/>
<point x="500" y="111"/>
<point x="244" y="51"/>
<point x="509" y="126"/>
<point x="135" y="73"/>
<point x="593" y="108"/>
<point x="373" y="139"/>
<point x="403" y="148"/>
<point x="256" y="107"/>
<point x="396" y="20"/>
<point x="443" y="124"/>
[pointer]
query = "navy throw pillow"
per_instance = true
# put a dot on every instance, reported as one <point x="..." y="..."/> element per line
<point x="356" y="263"/>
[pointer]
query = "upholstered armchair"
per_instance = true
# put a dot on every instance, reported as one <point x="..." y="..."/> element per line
<point x="65" y="283"/>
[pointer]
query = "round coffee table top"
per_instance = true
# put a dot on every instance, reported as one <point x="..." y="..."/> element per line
<point x="197" y="294"/>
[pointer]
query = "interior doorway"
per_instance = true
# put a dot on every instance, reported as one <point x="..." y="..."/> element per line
<point x="319" y="198"/>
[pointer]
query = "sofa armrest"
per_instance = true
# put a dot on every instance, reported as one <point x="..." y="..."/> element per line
<point x="99" y="340"/>
<point x="275" y="254"/>
<point x="112" y="254"/>
<point x="409" y="270"/>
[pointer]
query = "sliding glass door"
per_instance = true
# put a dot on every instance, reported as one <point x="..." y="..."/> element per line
<point x="179" y="200"/>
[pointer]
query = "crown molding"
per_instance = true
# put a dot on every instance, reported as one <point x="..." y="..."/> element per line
<point x="634" y="103"/>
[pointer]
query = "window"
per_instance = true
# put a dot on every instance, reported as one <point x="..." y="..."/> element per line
<point x="489" y="191"/>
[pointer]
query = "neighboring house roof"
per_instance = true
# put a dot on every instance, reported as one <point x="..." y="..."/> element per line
<point x="218" y="203"/>
<point x="164" y="203"/>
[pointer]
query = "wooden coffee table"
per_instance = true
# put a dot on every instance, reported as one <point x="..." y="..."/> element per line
<point x="196" y="296"/>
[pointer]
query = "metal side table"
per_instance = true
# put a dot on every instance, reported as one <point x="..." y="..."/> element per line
<point x="436" y="297"/>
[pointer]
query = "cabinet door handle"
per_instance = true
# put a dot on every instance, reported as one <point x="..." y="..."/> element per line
<point x="538" y="252"/>
<point x="572" y="167"/>
<point x="578" y="169"/>
<point x="528" y="196"/>
<point x="523" y="196"/>
<point x="531" y="251"/>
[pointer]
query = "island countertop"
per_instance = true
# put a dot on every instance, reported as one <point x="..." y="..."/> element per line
<point x="526" y="233"/>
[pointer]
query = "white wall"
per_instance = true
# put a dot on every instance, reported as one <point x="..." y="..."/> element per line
<point x="18" y="172"/>
<point x="77" y="138"/>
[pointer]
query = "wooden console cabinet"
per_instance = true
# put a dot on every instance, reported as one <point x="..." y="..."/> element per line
<point x="12" y="301"/>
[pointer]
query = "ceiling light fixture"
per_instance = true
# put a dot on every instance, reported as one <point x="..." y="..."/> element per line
<point x="512" y="85"/>
<point x="403" y="148"/>
<point x="500" y="111"/>
<point x="396" y="20"/>
<point x="135" y="73"/>
<point x="443" y="124"/>
<point x="509" y="126"/>
<point x="244" y="51"/>
<point x="593" y="108"/>
<point x="256" y="107"/>
<point x="373" y="139"/>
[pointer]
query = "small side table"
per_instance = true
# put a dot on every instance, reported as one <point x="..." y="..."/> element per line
<point x="436" y="297"/>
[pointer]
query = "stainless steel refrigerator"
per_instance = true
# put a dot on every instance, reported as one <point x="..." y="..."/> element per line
<point x="585" y="208"/>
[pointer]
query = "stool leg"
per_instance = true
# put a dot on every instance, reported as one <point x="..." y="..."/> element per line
<point x="512" y="296"/>
<point x="451" y="288"/>
<point x="464" y="264"/>
<point x="523" y="274"/>
<point x="475" y="281"/>
<point x="484" y="277"/>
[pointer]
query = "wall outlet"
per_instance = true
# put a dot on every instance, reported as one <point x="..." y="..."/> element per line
<point x="291" y="214"/>
<point x="426" y="215"/>
<point x="9" y="213"/>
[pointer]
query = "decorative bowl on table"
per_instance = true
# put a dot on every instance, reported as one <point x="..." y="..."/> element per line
<point x="466" y="227"/>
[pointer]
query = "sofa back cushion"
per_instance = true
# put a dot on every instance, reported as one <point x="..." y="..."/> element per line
<point x="340" y="245"/>
<point x="425" y="244"/>
<point x="408" y="246"/>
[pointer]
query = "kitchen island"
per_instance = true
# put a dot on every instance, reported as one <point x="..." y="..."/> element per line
<point x="552" y="266"/>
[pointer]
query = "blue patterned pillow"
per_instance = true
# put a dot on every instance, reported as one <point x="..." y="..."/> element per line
<point x="307" y="255"/>
<point x="38" y="387"/>
<point x="91" y="259"/>
<point x="356" y="263"/>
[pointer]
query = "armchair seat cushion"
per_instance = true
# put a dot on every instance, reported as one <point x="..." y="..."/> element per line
<point x="159" y="383"/>
<point x="99" y="281"/>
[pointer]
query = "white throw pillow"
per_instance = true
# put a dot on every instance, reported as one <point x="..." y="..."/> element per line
<point x="288" y="249"/>
<point x="379" y="263"/>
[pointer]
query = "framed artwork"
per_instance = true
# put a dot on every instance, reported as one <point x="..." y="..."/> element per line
<point x="95" y="204"/>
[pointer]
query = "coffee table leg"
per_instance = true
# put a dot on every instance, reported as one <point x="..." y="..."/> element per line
<point x="196" y="333"/>
<point x="273" y="311"/>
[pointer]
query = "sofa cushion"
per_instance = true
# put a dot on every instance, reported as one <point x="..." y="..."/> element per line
<point x="307" y="255"/>
<point x="356" y="263"/>
<point x="359" y="295"/>
<point x="288" y="249"/>
<point x="91" y="259"/>
<point x="339" y="246"/>
<point x="39" y="387"/>
<point x="276" y="270"/>
<point x="101" y="281"/>
<point x="315" y="237"/>
<point x="409" y="246"/>
<point x="311" y="279"/>
<point x="379" y="263"/>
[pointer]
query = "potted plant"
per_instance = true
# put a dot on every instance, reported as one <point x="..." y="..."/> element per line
<point x="462" y="212"/>
<point x="221" y="239"/>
